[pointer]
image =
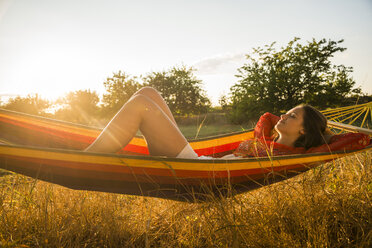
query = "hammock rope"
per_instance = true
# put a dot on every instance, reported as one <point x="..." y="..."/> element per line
<point x="351" y="114"/>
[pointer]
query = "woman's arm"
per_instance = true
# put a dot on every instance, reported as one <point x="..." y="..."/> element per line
<point x="265" y="125"/>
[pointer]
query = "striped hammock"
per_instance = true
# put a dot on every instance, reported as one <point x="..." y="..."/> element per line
<point x="51" y="151"/>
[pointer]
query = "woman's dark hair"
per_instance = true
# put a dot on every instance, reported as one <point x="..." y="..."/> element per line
<point x="315" y="125"/>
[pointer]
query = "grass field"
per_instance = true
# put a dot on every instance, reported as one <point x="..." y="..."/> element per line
<point x="329" y="206"/>
<point x="208" y="125"/>
<point x="192" y="132"/>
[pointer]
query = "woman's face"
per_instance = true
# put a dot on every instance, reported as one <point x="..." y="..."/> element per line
<point x="291" y="123"/>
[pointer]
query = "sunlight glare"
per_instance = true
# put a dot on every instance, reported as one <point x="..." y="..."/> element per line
<point x="51" y="71"/>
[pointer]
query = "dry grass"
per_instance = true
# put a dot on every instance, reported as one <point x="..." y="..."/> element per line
<point x="330" y="206"/>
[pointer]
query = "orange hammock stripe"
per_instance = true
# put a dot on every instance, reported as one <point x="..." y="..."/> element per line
<point x="181" y="176"/>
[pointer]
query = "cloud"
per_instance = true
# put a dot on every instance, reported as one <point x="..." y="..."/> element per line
<point x="220" y="64"/>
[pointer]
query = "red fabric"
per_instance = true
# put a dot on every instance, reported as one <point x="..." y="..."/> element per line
<point x="265" y="126"/>
<point x="263" y="144"/>
<point x="343" y="142"/>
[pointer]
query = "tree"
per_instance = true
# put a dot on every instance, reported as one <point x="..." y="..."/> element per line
<point x="32" y="104"/>
<point x="279" y="80"/>
<point x="120" y="87"/>
<point x="224" y="102"/>
<point x="80" y="106"/>
<point x="180" y="89"/>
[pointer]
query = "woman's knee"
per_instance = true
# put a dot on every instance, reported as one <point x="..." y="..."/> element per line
<point x="148" y="91"/>
<point x="141" y="103"/>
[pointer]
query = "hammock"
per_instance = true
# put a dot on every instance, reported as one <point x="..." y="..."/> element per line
<point x="51" y="151"/>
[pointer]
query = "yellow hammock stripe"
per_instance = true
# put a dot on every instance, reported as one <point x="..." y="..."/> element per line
<point x="164" y="163"/>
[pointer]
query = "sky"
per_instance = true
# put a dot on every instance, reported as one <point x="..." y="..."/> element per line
<point x="52" y="47"/>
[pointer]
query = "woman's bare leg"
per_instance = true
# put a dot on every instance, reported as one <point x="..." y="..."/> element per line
<point x="140" y="112"/>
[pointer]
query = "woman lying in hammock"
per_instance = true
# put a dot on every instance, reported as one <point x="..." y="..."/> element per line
<point x="299" y="129"/>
